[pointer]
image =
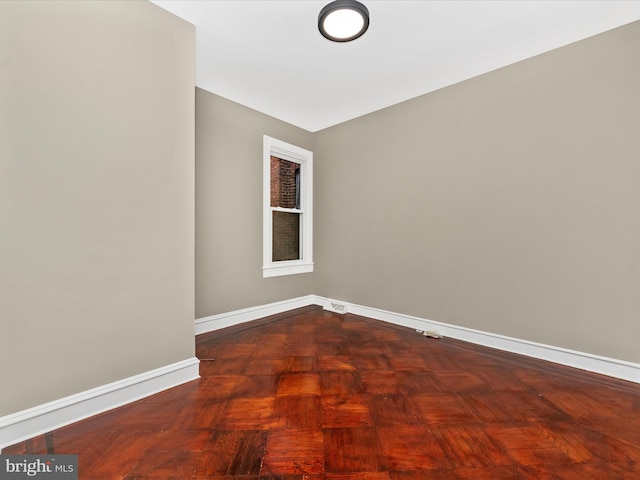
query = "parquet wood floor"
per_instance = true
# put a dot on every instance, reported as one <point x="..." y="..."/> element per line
<point x="315" y="395"/>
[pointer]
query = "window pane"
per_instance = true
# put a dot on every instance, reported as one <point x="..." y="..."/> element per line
<point x="286" y="236"/>
<point x="285" y="183"/>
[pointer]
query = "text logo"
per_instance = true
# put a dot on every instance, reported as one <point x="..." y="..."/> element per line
<point x="51" y="467"/>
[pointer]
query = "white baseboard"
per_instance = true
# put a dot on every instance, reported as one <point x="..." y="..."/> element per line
<point x="20" y="426"/>
<point x="585" y="361"/>
<point x="237" y="317"/>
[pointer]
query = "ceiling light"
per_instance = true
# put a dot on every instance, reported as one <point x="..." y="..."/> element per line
<point x="343" y="20"/>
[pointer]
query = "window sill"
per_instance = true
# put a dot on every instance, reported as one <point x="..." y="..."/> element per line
<point x="286" y="268"/>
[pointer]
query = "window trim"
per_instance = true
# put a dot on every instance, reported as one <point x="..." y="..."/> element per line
<point x="292" y="153"/>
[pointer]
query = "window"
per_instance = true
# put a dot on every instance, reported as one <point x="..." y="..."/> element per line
<point x="288" y="209"/>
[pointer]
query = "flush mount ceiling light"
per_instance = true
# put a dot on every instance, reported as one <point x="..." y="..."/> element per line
<point x="343" y="20"/>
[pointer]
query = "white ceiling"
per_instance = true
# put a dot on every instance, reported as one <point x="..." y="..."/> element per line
<point x="269" y="55"/>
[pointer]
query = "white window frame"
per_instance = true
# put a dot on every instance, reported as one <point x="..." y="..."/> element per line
<point x="291" y="153"/>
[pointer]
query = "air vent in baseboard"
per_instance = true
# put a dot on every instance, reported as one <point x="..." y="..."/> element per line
<point x="336" y="307"/>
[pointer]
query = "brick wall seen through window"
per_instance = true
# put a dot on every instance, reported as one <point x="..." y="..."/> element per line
<point x="285" y="193"/>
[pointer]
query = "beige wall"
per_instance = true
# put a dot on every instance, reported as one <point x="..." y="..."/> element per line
<point x="508" y="203"/>
<point x="229" y="207"/>
<point x="96" y="195"/>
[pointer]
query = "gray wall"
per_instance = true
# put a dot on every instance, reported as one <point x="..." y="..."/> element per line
<point x="96" y="195"/>
<point x="229" y="207"/>
<point x="508" y="203"/>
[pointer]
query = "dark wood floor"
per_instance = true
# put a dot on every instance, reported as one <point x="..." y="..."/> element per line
<point x="316" y="395"/>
